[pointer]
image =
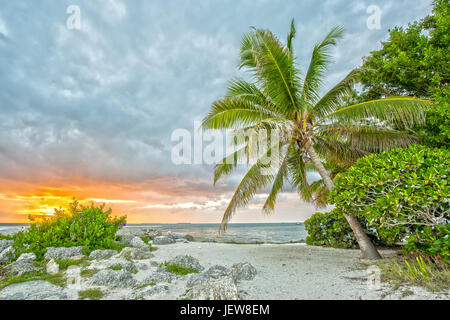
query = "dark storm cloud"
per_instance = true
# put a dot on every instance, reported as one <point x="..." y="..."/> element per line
<point x="102" y="102"/>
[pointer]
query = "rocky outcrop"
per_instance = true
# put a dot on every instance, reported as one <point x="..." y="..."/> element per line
<point x="102" y="254"/>
<point x="242" y="271"/>
<point x="159" y="277"/>
<point x="6" y="255"/>
<point x="33" y="290"/>
<point x="148" y="292"/>
<point x="24" y="264"/>
<point x="151" y="233"/>
<point x="63" y="253"/>
<point x="187" y="262"/>
<point x="4" y="244"/>
<point x="213" y="289"/>
<point x="135" y="254"/>
<point x="113" y="278"/>
<point x="163" y="240"/>
<point x="215" y="272"/>
<point x="139" y="243"/>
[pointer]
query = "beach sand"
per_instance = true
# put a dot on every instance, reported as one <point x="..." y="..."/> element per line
<point x="295" y="272"/>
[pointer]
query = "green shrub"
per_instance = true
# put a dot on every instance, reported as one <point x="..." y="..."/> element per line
<point x="396" y="195"/>
<point x="177" y="269"/>
<point x="91" y="227"/>
<point x="91" y="294"/>
<point x="434" y="242"/>
<point x="332" y="230"/>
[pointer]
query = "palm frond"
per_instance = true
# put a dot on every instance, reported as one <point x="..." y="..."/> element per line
<point x="273" y="67"/>
<point x="232" y="113"/>
<point x="277" y="185"/>
<point x="335" y="98"/>
<point x="226" y="166"/>
<point x="401" y="111"/>
<point x="338" y="151"/>
<point x="256" y="178"/>
<point x="320" y="60"/>
<point x="291" y="37"/>
<point x="368" y="138"/>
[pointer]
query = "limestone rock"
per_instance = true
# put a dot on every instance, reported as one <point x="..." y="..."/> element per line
<point x="162" y="240"/>
<point x="4" y="244"/>
<point x="102" y="254"/>
<point x="187" y="262"/>
<point x="33" y="290"/>
<point x="139" y="243"/>
<point x="62" y="253"/>
<point x="215" y="272"/>
<point x="113" y="278"/>
<point x="135" y="254"/>
<point x="217" y="289"/>
<point x="242" y="271"/>
<point x="6" y="255"/>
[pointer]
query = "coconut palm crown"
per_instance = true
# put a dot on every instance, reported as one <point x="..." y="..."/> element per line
<point x="312" y="127"/>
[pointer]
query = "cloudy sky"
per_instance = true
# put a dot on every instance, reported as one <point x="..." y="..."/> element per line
<point x="90" y="112"/>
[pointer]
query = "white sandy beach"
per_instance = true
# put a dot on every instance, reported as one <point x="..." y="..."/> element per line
<point x="294" y="272"/>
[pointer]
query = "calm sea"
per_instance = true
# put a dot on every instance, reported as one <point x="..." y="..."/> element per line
<point x="236" y="232"/>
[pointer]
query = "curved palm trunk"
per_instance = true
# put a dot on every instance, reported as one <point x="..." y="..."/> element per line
<point x="368" y="250"/>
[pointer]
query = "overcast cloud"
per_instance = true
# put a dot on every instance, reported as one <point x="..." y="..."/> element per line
<point x="99" y="104"/>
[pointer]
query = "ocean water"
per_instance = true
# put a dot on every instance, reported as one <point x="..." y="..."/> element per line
<point x="239" y="232"/>
<point x="236" y="232"/>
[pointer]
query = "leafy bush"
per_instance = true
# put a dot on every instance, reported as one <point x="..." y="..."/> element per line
<point x="396" y="195"/>
<point x="331" y="230"/>
<point x="431" y="241"/>
<point x="91" y="227"/>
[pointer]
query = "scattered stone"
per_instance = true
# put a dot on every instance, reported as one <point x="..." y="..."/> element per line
<point x="4" y="244"/>
<point x="52" y="267"/>
<point x="210" y="240"/>
<point x="175" y="235"/>
<point x="215" y="272"/>
<point x="182" y="240"/>
<point x="102" y="254"/>
<point x="135" y="254"/>
<point x="160" y="276"/>
<point x="27" y="257"/>
<point x="24" y="264"/>
<point x="148" y="292"/>
<point x="189" y="238"/>
<point x="139" y="243"/>
<point x="113" y="278"/>
<point x="217" y="289"/>
<point x="6" y="255"/>
<point x="187" y="262"/>
<point x="126" y="239"/>
<point x="63" y="253"/>
<point x="33" y="290"/>
<point x="151" y="233"/>
<point x="242" y="271"/>
<point x="162" y="240"/>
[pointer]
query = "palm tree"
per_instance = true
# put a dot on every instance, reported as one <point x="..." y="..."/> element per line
<point x="311" y="128"/>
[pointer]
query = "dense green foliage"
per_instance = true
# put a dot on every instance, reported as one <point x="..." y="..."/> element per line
<point x="91" y="227"/>
<point x="434" y="242"/>
<point x="414" y="61"/>
<point x="332" y="230"/>
<point x="399" y="194"/>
